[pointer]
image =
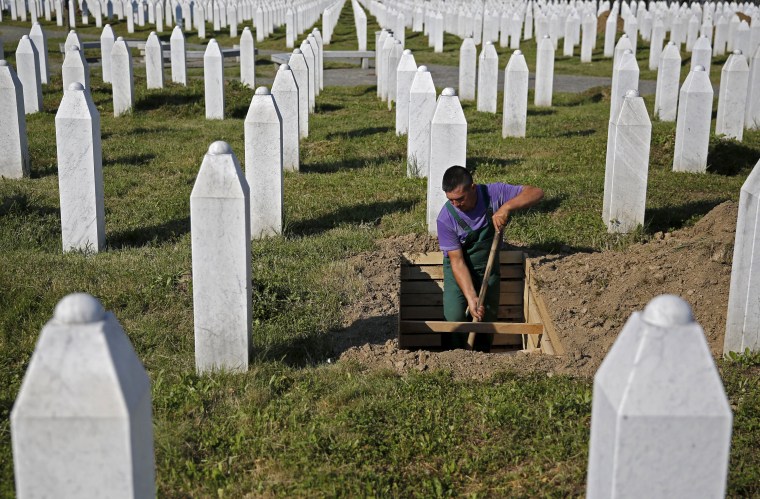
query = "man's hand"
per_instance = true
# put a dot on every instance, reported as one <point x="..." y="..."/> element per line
<point x="475" y="312"/>
<point x="500" y="218"/>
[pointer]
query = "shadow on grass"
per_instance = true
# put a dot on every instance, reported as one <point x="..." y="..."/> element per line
<point x="344" y="164"/>
<point x="158" y="234"/>
<point x="157" y="101"/>
<point x="674" y="217"/>
<point x="541" y="112"/>
<point x="578" y="133"/>
<point x="729" y="157"/>
<point x="130" y="160"/>
<point x="361" y="132"/>
<point x="20" y="204"/>
<point x="326" y="108"/>
<point x="359" y="214"/>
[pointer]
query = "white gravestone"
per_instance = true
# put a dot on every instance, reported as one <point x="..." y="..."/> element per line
<point x="668" y="78"/>
<point x="660" y="419"/>
<point x="285" y="92"/>
<point x="213" y="80"/>
<point x="405" y="72"/>
<point x="297" y="63"/>
<point x="81" y="424"/>
<point x="28" y="67"/>
<point x="422" y="104"/>
<point x="610" y="30"/>
<point x="122" y="81"/>
<point x="752" y="116"/>
<point x="385" y="53"/>
<point x="448" y="147"/>
<point x="701" y="54"/>
<point x="732" y="97"/>
<point x="515" y="29"/>
<point x="311" y="63"/>
<point x="178" y="56"/>
<point x="587" y="40"/>
<point x="317" y="63"/>
<point x="106" y="48"/>
<point x="393" y="59"/>
<point x="693" y="123"/>
<point x="743" y="318"/>
<point x="80" y="171"/>
<point x="625" y="77"/>
<point x="544" y="73"/>
<point x="72" y="40"/>
<point x="467" y="70"/>
<point x="14" y="162"/>
<point x="263" y="164"/>
<point x="38" y="37"/>
<point x="154" y="62"/>
<point x="625" y="180"/>
<point x="75" y="69"/>
<point x="515" y="96"/>
<point x="655" y="44"/>
<point x="247" y="58"/>
<point x="622" y="45"/>
<point x="488" y="78"/>
<point x="220" y="230"/>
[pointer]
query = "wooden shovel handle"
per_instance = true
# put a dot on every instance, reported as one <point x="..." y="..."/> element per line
<point x="484" y="286"/>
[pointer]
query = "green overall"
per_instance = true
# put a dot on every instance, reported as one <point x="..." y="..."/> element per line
<point x="475" y="250"/>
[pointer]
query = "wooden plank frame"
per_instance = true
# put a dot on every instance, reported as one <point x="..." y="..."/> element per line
<point x="524" y="321"/>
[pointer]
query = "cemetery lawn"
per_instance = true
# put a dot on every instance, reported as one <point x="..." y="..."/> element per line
<point x="298" y="422"/>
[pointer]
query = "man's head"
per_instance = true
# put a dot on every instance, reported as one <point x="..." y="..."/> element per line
<point x="459" y="188"/>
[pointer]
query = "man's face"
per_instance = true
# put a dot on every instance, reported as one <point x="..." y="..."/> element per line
<point x="463" y="197"/>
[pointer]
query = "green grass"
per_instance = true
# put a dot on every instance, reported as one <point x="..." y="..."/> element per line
<point x="294" y="424"/>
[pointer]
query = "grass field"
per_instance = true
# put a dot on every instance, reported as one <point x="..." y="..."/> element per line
<point x="295" y="424"/>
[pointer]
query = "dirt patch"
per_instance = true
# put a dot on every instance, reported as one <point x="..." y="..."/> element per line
<point x="589" y="296"/>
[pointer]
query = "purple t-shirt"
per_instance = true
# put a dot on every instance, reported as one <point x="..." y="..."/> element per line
<point x="451" y="235"/>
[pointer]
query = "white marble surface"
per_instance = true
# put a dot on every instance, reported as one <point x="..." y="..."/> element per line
<point x="721" y="36"/>
<point x="394" y="57"/>
<point x="448" y="147"/>
<point x="220" y="231"/>
<point x="154" y="62"/>
<point x="660" y="419"/>
<point x="297" y="63"/>
<point x="625" y="77"/>
<point x="311" y="63"/>
<point x="122" y="80"/>
<point x="75" y="69"/>
<point x="515" y="30"/>
<point x="80" y="171"/>
<point x="315" y="38"/>
<point x="14" y="162"/>
<point x="655" y="44"/>
<point x="422" y="104"/>
<point x="693" y="123"/>
<point x="81" y="424"/>
<point x="285" y="92"/>
<point x="742" y="38"/>
<point x="28" y="72"/>
<point x="692" y="32"/>
<point x="405" y="72"/>
<point x="72" y="40"/>
<point x="386" y="43"/>
<point x="752" y="114"/>
<point x="732" y="97"/>
<point x="107" y="40"/>
<point x="290" y="28"/>
<point x="701" y="54"/>
<point x="743" y="317"/>
<point x="610" y="32"/>
<point x="668" y="81"/>
<point x="467" y="70"/>
<point x="39" y="38"/>
<point x="544" y="73"/>
<point x="179" y="56"/>
<point x="515" y="96"/>
<point x="587" y="38"/>
<point x="264" y="164"/>
<point x="488" y="78"/>
<point x="625" y="185"/>
<point x="623" y="44"/>
<point x="247" y="58"/>
<point x="568" y="45"/>
<point x="213" y="80"/>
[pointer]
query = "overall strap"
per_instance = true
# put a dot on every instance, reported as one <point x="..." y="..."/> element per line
<point x="462" y="224"/>
<point x="487" y="200"/>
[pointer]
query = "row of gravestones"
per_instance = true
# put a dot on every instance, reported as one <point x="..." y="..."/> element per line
<point x="661" y="423"/>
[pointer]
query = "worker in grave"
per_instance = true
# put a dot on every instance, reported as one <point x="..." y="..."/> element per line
<point x="467" y="224"/>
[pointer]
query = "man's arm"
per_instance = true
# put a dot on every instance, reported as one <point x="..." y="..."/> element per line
<point x="528" y="197"/>
<point x="464" y="280"/>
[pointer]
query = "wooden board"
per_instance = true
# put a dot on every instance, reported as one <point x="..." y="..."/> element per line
<point x="436" y="299"/>
<point x="436" y="258"/>
<point x="543" y="312"/>
<point x="506" y="313"/>
<point x="412" y="287"/>
<point x="498" y="328"/>
<point x="433" y="272"/>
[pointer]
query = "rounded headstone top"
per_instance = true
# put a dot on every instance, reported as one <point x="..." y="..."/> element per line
<point x="3" y="62"/>
<point x="120" y="39"/>
<point x="624" y="35"/>
<point x="546" y="36"/>
<point x="213" y="40"/>
<point x="285" y="67"/>
<point x="628" y="51"/>
<point x="489" y="42"/>
<point x="262" y="91"/>
<point x="107" y="26"/>
<point x="219" y="147"/>
<point x="632" y="93"/>
<point x="152" y="33"/>
<point x="518" y="52"/>
<point x="699" y="68"/>
<point x="76" y="86"/>
<point x="668" y="310"/>
<point x="449" y="92"/>
<point x="246" y="29"/>
<point x="735" y="52"/>
<point x="420" y="69"/>
<point x="297" y="51"/>
<point x="79" y="308"/>
<point x="669" y="43"/>
<point x="74" y="48"/>
<point x="72" y="31"/>
<point x="315" y="29"/>
<point x="407" y="52"/>
<point x="25" y="37"/>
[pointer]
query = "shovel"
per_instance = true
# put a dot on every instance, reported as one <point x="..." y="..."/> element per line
<point x="484" y="286"/>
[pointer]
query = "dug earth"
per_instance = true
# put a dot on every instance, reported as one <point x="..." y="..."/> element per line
<point x="589" y="296"/>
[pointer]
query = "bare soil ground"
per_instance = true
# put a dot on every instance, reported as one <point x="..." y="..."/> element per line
<point x="589" y="295"/>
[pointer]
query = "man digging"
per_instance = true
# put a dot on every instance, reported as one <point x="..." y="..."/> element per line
<point x="467" y="224"/>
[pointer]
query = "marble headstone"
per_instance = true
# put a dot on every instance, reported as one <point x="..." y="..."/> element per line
<point x="752" y="115"/>
<point x="544" y="73"/>
<point x="300" y="69"/>
<point x="285" y="92"/>
<point x="39" y="38"/>
<point x="668" y="75"/>
<point x="28" y="68"/>
<point x="488" y="78"/>
<point x="178" y="56"/>
<point x="154" y="62"/>
<point x="107" y="40"/>
<point x="405" y="72"/>
<point x="14" y="162"/>
<point x="422" y="104"/>
<point x="122" y="80"/>
<point x="693" y="123"/>
<point x="467" y="70"/>
<point x="247" y="58"/>
<point x="732" y="97"/>
<point x="515" y="96"/>
<point x="213" y="79"/>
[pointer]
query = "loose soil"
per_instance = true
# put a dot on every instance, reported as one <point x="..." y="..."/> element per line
<point x="589" y="295"/>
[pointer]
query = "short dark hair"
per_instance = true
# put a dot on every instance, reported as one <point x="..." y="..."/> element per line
<point x="454" y="177"/>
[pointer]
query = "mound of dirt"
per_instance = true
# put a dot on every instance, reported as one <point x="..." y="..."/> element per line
<point x="589" y="296"/>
